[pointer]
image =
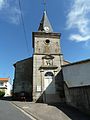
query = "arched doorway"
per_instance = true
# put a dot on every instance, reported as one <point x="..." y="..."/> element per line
<point x="49" y="86"/>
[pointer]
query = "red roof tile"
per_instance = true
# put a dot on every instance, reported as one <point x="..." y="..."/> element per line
<point x="4" y="79"/>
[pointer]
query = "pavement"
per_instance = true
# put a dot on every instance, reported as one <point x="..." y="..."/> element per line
<point x="41" y="111"/>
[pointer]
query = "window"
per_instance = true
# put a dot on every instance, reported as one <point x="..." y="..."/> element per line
<point x="47" y="41"/>
<point x="1" y="83"/>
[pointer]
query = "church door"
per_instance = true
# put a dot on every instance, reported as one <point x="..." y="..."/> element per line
<point x="49" y="86"/>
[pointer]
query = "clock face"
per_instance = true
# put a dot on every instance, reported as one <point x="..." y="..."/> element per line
<point x="46" y="29"/>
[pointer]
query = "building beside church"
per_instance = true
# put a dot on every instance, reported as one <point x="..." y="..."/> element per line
<point x="5" y="86"/>
<point x="47" y="77"/>
<point x="76" y="78"/>
<point x="23" y="79"/>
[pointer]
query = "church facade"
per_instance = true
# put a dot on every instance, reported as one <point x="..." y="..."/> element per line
<point x="45" y="83"/>
<point x="47" y="61"/>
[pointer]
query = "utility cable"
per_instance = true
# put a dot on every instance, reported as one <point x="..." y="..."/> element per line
<point x="23" y="24"/>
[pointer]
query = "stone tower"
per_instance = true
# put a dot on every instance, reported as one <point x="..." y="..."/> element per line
<point x="47" y="61"/>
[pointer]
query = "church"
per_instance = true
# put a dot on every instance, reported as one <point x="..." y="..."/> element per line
<point x="47" y="77"/>
<point x="40" y="76"/>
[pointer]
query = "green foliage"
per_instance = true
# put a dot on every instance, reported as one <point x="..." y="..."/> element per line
<point x="2" y="93"/>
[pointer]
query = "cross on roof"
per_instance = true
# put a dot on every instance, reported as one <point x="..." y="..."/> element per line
<point x="44" y="5"/>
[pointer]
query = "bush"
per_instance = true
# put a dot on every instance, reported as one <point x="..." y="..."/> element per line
<point x="2" y="93"/>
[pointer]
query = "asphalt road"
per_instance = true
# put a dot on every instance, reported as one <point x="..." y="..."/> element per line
<point x="9" y="112"/>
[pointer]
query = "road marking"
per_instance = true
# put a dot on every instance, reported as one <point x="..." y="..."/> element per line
<point x="27" y="114"/>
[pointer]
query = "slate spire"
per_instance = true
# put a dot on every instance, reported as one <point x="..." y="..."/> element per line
<point x="45" y="25"/>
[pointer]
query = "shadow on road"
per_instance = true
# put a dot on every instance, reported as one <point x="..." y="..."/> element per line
<point x="71" y="112"/>
<point x="6" y="98"/>
<point x="10" y="98"/>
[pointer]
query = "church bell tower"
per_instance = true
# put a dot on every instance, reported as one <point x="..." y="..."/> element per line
<point x="47" y="61"/>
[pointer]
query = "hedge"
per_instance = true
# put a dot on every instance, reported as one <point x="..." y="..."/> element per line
<point x="2" y="93"/>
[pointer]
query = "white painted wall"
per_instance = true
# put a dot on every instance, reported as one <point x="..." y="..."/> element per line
<point x="77" y="74"/>
<point x="8" y="90"/>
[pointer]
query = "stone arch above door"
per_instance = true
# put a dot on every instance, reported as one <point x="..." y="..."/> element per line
<point x="49" y="74"/>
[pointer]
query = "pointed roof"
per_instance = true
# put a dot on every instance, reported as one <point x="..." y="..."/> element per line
<point x="45" y="25"/>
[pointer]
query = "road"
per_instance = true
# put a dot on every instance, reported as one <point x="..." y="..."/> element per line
<point x="9" y="112"/>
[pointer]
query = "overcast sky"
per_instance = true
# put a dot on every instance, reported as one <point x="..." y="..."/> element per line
<point x="71" y="18"/>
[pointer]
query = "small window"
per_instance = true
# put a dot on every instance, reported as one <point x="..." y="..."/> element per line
<point x="47" y="41"/>
<point x="1" y="83"/>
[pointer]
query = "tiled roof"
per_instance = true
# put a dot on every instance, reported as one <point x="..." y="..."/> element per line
<point x="4" y="79"/>
<point x="78" y="62"/>
<point x="65" y="62"/>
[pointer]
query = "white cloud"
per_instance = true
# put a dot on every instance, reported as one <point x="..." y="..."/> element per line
<point x="14" y="16"/>
<point x="79" y="38"/>
<point x="78" y="18"/>
<point x="87" y="45"/>
<point x="3" y="4"/>
<point x="9" y="10"/>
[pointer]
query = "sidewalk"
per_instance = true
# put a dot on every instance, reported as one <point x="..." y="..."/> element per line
<point x="42" y="111"/>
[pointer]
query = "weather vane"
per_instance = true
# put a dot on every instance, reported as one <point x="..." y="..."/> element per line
<point x="44" y="5"/>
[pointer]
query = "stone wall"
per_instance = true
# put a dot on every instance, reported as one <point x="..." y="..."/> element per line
<point x="39" y="75"/>
<point x="47" y="58"/>
<point x="23" y="77"/>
